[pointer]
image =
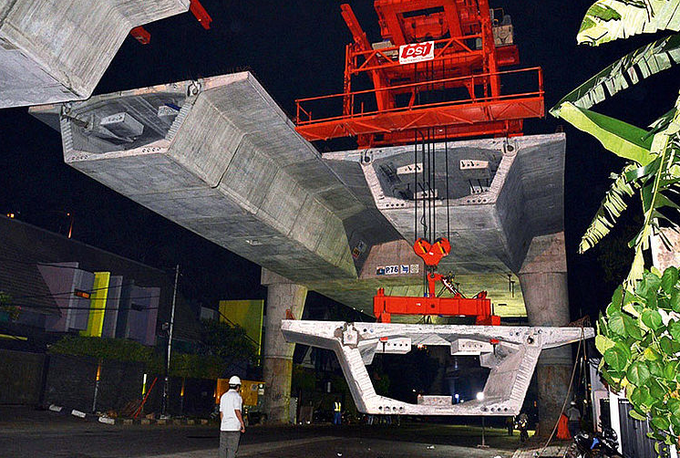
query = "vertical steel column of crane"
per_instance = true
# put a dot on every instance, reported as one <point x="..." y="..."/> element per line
<point x="489" y="46"/>
<point x="361" y="43"/>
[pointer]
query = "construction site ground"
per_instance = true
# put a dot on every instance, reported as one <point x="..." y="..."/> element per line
<point x="25" y="432"/>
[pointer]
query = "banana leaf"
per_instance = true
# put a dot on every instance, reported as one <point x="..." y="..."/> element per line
<point x="653" y="193"/>
<point x="613" y="204"/>
<point x="621" y="138"/>
<point x="629" y="70"/>
<point x="608" y="20"/>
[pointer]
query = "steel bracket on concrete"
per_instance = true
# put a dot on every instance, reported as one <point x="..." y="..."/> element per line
<point x="512" y="360"/>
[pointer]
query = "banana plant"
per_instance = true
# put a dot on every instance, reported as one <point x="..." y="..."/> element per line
<point x="653" y="167"/>
<point x="644" y="315"/>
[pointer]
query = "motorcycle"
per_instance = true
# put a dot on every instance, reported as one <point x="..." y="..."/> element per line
<point x="595" y="445"/>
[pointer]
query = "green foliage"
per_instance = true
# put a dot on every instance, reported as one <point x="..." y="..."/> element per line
<point x="229" y="343"/>
<point x="12" y="311"/>
<point x="612" y="206"/>
<point x="197" y="366"/>
<point x="608" y="20"/>
<point x="117" y="349"/>
<point x="613" y="254"/>
<point x="642" y="63"/>
<point x="653" y="156"/>
<point x="639" y="338"/>
<point x="182" y="364"/>
<point x="304" y="379"/>
<point x="381" y="383"/>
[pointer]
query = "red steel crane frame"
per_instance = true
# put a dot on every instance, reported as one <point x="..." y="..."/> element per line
<point x="465" y="57"/>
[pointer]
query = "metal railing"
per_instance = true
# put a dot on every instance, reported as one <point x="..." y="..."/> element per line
<point x="304" y="114"/>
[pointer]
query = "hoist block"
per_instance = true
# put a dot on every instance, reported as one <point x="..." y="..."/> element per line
<point x="432" y="253"/>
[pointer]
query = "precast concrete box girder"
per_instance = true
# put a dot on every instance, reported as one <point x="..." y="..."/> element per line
<point x="57" y="50"/>
<point x="218" y="157"/>
<point x="500" y="193"/>
<point x="512" y="361"/>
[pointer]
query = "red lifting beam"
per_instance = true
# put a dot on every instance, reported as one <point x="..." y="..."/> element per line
<point x="480" y="307"/>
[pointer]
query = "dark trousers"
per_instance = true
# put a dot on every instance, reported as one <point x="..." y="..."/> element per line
<point x="229" y="443"/>
<point x="337" y="418"/>
<point x="574" y="427"/>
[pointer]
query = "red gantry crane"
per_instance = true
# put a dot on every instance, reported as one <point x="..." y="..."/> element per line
<point x="438" y="66"/>
<point x="458" y="305"/>
<point x="437" y="70"/>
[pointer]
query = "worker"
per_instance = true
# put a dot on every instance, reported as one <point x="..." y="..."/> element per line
<point x="574" y="416"/>
<point x="510" y="424"/>
<point x="232" y="425"/>
<point x="337" y="412"/>
<point x="523" y="426"/>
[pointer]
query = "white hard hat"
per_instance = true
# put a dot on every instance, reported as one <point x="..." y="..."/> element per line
<point x="234" y="380"/>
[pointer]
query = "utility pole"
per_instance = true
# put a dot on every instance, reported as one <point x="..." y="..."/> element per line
<point x="166" y="385"/>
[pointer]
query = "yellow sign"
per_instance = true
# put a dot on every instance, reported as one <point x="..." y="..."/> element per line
<point x="251" y="390"/>
<point x="100" y="293"/>
<point x="248" y="315"/>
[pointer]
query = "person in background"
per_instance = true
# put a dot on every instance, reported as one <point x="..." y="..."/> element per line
<point x="523" y="427"/>
<point x="337" y="412"/>
<point x="510" y="424"/>
<point x="232" y="425"/>
<point x="574" y="416"/>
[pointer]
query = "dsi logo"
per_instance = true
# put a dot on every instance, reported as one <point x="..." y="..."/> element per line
<point x="417" y="52"/>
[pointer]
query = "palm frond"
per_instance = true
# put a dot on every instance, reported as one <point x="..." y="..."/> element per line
<point x="613" y="204"/>
<point x="608" y="20"/>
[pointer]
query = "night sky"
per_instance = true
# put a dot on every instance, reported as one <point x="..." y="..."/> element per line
<point x="296" y="49"/>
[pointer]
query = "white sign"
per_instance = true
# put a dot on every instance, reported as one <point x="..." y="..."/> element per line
<point x="391" y="270"/>
<point x="416" y="52"/>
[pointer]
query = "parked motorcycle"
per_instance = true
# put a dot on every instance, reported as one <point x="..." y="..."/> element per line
<point x="595" y="445"/>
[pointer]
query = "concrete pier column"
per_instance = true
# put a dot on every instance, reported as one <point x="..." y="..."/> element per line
<point x="543" y="278"/>
<point x="282" y="296"/>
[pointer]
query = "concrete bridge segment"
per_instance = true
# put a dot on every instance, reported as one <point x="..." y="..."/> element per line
<point x="219" y="157"/>
<point x="58" y="50"/>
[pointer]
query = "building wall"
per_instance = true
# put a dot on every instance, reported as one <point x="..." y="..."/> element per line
<point x="21" y="376"/>
<point x="71" y="383"/>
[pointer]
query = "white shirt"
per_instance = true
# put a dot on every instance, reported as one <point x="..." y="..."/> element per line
<point x="229" y="402"/>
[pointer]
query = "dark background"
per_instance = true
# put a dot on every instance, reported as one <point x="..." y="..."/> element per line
<point x="296" y="49"/>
